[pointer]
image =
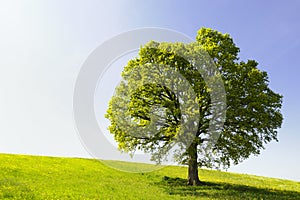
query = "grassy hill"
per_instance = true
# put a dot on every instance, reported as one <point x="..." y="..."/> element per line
<point x="34" y="177"/>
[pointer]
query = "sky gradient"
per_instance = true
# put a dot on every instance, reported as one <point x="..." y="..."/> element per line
<point x="44" y="43"/>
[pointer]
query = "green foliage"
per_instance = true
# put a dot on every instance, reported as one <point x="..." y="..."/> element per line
<point x="33" y="177"/>
<point x="147" y="110"/>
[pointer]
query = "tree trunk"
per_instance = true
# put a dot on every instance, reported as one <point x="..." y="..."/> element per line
<point x="193" y="178"/>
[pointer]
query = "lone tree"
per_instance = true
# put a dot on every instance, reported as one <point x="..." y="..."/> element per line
<point x="148" y="116"/>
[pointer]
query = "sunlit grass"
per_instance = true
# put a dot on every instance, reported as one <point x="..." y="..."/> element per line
<point x="33" y="177"/>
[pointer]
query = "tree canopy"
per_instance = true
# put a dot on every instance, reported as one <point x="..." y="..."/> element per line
<point x="195" y="95"/>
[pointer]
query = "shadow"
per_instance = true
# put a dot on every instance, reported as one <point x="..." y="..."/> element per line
<point x="178" y="186"/>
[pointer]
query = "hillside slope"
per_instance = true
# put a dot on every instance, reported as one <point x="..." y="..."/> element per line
<point x="34" y="177"/>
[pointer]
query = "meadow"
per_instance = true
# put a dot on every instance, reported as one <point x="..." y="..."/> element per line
<point x="39" y="177"/>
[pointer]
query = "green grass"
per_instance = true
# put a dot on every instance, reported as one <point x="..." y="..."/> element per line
<point x="34" y="177"/>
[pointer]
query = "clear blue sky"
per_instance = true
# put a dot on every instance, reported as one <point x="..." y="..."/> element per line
<point x="44" y="43"/>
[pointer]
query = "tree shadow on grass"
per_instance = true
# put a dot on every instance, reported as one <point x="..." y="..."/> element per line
<point x="178" y="186"/>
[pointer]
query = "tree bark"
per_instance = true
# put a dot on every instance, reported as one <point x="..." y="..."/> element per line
<point x="193" y="178"/>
